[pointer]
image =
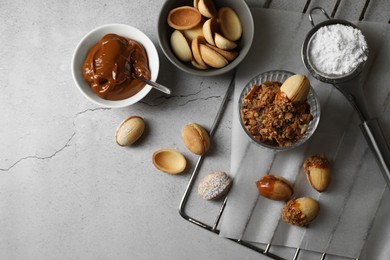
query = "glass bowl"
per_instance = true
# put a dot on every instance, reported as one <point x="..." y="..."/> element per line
<point x="281" y="76"/>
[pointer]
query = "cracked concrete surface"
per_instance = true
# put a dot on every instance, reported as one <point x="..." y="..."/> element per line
<point x="63" y="178"/>
<point x="60" y="149"/>
<point x="39" y="157"/>
<point x="67" y="190"/>
<point x="66" y="144"/>
<point x="179" y="100"/>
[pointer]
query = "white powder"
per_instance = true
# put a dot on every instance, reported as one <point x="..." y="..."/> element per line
<point x="337" y="49"/>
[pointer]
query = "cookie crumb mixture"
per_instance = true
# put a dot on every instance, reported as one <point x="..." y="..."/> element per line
<point x="274" y="121"/>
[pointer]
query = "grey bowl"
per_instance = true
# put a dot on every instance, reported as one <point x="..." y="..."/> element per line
<point x="164" y="34"/>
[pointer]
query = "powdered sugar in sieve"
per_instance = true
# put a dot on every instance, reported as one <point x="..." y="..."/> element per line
<point x="337" y="50"/>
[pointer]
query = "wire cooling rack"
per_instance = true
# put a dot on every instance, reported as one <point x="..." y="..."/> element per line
<point x="213" y="227"/>
<point x="266" y="249"/>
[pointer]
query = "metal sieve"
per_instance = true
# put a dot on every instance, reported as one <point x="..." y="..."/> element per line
<point x="328" y="78"/>
<point x="350" y="85"/>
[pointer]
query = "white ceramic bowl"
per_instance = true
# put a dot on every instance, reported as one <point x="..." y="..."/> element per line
<point x="93" y="37"/>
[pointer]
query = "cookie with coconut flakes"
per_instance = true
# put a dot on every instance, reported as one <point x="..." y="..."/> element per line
<point x="214" y="185"/>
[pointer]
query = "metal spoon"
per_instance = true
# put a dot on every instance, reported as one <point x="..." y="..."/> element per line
<point x="351" y="87"/>
<point x="154" y="85"/>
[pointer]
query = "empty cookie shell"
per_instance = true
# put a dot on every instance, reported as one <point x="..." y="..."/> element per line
<point x="192" y="33"/>
<point x="224" y="43"/>
<point x="180" y="46"/>
<point x="214" y="185"/>
<point x="196" y="51"/>
<point x="211" y="57"/>
<point x="210" y="27"/>
<point x="198" y="66"/>
<point x="230" y="24"/>
<point x="229" y="55"/>
<point x="196" y="2"/>
<point x="169" y="161"/>
<point x="207" y="8"/>
<point x="184" y="17"/>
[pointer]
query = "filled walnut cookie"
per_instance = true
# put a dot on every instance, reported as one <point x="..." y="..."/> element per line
<point x="300" y="211"/>
<point x="214" y="185"/>
<point x="195" y="138"/>
<point x="275" y="187"/>
<point x="317" y="170"/>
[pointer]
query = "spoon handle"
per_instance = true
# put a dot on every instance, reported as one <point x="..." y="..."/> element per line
<point x="377" y="142"/>
<point x="156" y="85"/>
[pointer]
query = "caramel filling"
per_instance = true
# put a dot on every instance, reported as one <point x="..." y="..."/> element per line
<point x="110" y="65"/>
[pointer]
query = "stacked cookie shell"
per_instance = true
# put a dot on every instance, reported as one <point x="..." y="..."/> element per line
<point x="203" y="35"/>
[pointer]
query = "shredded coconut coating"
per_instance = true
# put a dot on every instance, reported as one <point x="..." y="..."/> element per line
<point x="337" y="49"/>
<point x="214" y="185"/>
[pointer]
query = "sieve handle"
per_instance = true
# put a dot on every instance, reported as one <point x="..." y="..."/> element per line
<point x="317" y="8"/>
<point x="377" y="142"/>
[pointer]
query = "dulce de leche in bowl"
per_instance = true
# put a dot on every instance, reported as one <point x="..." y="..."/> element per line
<point x="107" y="61"/>
<point x="110" y="64"/>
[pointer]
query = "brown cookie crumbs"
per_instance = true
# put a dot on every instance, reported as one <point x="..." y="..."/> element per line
<point x="274" y="121"/>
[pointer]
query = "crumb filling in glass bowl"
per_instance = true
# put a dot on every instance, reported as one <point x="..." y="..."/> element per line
<point x="272" y="119"/>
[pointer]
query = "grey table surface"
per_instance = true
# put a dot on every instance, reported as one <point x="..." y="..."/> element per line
<point x="67" y="191"/>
